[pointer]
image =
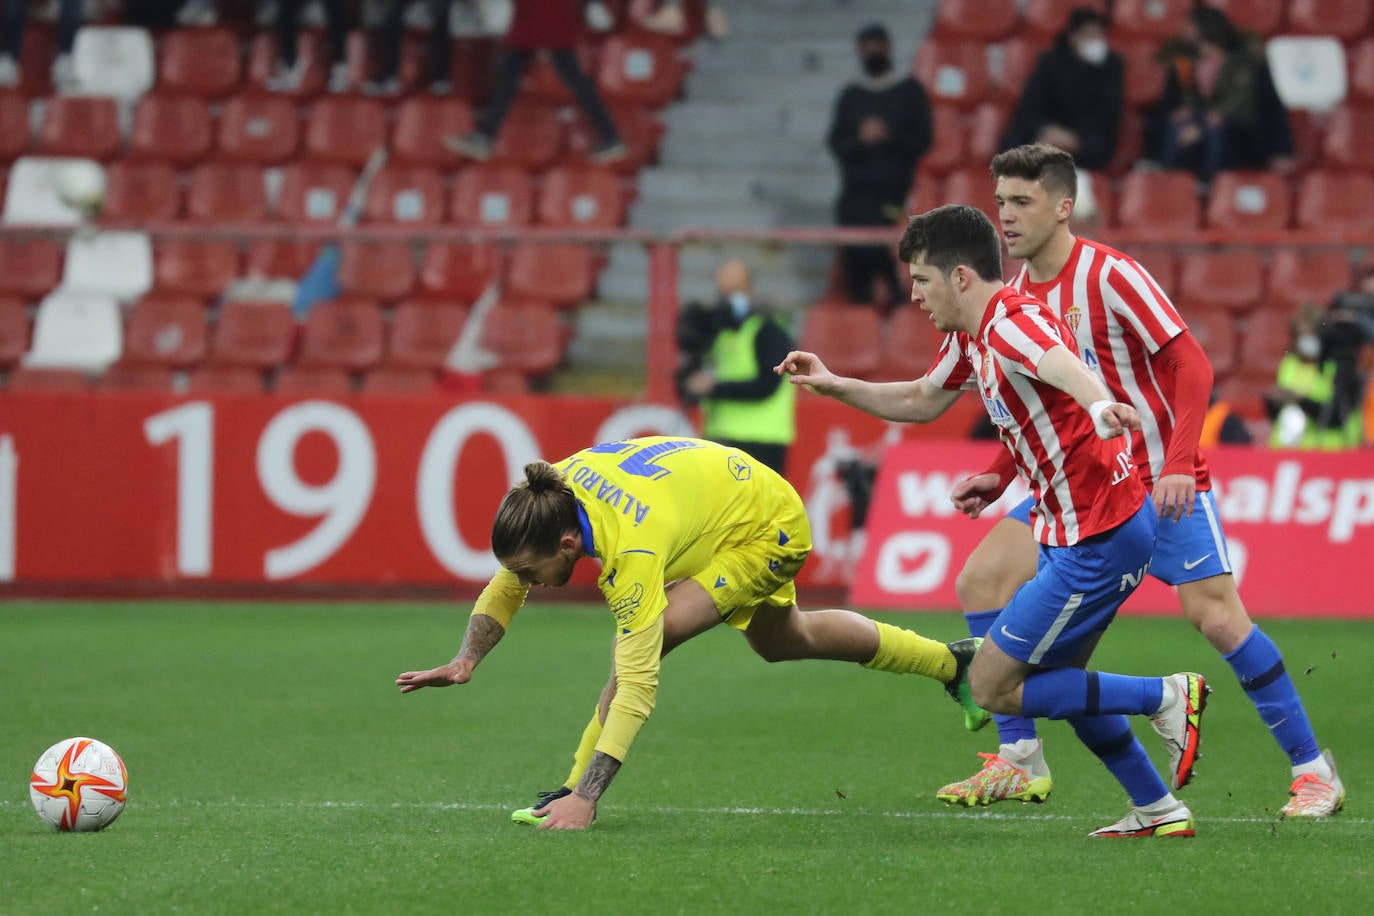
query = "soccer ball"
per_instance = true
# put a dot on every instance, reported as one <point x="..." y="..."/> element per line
<point x="79" y="784"/>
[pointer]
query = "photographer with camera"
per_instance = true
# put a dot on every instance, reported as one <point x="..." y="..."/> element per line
<point x="727" y="353"/>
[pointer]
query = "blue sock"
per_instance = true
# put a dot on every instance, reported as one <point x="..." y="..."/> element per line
<point x="1259" y="667"/>
<point x="1062" y="693"/>
<point x="1010" y="729"/>
<point x="1110" y="738"/>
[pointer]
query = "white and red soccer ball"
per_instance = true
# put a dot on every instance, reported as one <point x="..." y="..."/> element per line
<point x="79" y="784"/>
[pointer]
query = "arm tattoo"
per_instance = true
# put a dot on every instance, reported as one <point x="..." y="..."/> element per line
<point x="483" y="632"/>
<point x="597" y="777"/>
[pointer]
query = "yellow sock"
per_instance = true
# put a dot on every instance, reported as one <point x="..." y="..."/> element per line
<point x="585" y="748"/>
<point x="903" y="652"/>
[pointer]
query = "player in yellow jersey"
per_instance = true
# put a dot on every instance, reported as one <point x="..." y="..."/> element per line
<point x="690" y="534"/>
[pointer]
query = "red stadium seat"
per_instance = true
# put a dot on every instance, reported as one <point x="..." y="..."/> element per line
<point x="986" y="124"/>
<point x="29" y="268"/>
<point x="85" y="126"/>
<point x="928" y="193"/>
<point x="422" y="333"/>
<point x="473" y="66"/>
<point x="1264" y="17"/>
<point x="1335" y="202"/>
<point x="909" y="343"/>
<point x="1152" y="20"/>
<point x="581" y="197"/>
<point x="377" y="270"/>
<point x="313" y="192"/>
<point x="399" y="380"/>
<point x="1230" y="280"/>
<point x="1250" y="200"/>
<point x="1360" y="62"/>
<point x="345" y="129"/>
<point x="1011" y="64"/>
<point x="280" y="258"/>
<point x="531" y="137"/>
<point x="14" y="331"/>
<point x="223" y="192"/>
<point x="315" y="381"/>
<point x="974" y="20"/>
<point x="259" y="128"/>
<point x="1044" y="19"/>
<point x="525" y="337"/>
<point x="25" y="378"/>
<point x="640" y="68"/>
<point x="1266" y="339"/>
<point x="262" y="62"/>
<point x="849" y="337"/>
<point x="199" y="62"/>
<point x="493" y="195"/>
<point x="165" y="330"/>
<point x="1308" y="138"/>
<point x="406" y="196"/>
<point x="559" y="274"/>
<point x="221" y="379"/>
<point x="14" y="126"/>
<point x="256" y="335"/>
<point x="541" y="81"/>
<point x="1161" y="263"/>
<point x="956" y="74"/>
<point x="1159" y="200"/>
<point x="1306" y="276"/>
<point x="950" y="131"/>
<point x="640" y="131"/>
<point x="141" y="192"/>
<point x="1216" y="333"/>
<point x="422" y="124"/>
<point x="1345" y="19"/>
<point x="1130" y="143"/>
<point x="136" y="377"/>
<point x="1145" y="76"/>
<point x="974" y="187"/>
<point x="458" y="273"/>
<point x="342" y="334"/>
<point x="1346" y="145"/>
<point x="202" y="268"/>
<point x="174" y="128"/>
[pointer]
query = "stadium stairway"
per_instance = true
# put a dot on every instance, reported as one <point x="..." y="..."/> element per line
<point x="746" y="149"/>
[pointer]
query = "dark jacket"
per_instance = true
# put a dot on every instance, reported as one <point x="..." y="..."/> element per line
<point x="1066" y="90"/>
<point x="883" y="170"/>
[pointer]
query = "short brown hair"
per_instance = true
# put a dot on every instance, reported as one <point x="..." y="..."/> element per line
<point x="952" y="235"/>
<point x="1049" y="165"/>
<point x="535" y="513"/>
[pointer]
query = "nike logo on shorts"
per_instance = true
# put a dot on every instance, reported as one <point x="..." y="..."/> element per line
<point x="1009" y="635"/>
<point x="1187" y="565"/>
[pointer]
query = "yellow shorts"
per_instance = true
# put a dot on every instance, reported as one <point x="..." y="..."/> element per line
<point x="759" y="570"/>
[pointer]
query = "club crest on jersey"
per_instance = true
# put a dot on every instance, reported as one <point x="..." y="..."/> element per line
<point x="1072" y="316"/>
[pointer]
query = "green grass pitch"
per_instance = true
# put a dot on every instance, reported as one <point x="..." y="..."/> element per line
<point x="274" y="768"/>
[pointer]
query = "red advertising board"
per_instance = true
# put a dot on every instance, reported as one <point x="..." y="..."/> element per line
<point x="373" y="491"/>
<point x="1299" y="525"/>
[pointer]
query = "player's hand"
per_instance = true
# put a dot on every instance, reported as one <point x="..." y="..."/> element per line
<point x="571" y="812"/>
<point x="700" y="383"/>
<point x="974" y="494"/>
<point x="805" y="368"/>
<point x="1174" y="495"/>
<point x="459" y="672"/>
<point x="1116" y="420"/>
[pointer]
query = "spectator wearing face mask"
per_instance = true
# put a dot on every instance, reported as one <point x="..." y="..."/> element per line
<point x="1075" y="95"/>
<point x="879" y="130"/>
<point x="1302" y="403"/>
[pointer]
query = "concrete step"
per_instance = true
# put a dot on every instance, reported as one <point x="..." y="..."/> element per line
<point x="761" y="156"/>
<point x="738" y="120"/>
<point x="671" y="184"/>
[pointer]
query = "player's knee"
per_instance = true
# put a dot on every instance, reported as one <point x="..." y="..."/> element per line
<point x="988" y="693"/>
<point x="1215" y="610"/>
<point x="980" y="587"/>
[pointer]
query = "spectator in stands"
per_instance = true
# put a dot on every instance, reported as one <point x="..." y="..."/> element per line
<point x="879" y="130"/>
<point x="670" y="19"/>
<point x="1220" y="107"/>
<point x="16" y="14"/>
<point x="1346" y="332"/>
<point x="744" y="403"/>
<point x="1302" y="402"/>
<point x="1075" y="96"/>
<point x="542" y="25"/>
<point x="290" y="67"/>
<point x="438" y="61"/>
<point x="1221" y="426"/>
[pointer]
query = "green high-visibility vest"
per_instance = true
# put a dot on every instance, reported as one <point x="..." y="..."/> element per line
<point x="771" y="420"/>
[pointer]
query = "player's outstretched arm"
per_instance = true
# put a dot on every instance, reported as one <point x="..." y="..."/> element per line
<point x="918" y="401"/>
<point x="1061" y="368"/>
<point x="482" y="634"/>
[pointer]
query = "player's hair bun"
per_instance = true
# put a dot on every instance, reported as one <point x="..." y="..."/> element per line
<point x="542" y="476"/>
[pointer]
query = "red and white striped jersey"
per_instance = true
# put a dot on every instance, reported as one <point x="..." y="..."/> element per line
<point x="1083" y="485"/>
<point x="1120" y="318"/>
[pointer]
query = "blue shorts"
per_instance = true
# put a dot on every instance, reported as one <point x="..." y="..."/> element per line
<point x="1075" y="592"/>
<point x="1186" y="550"/>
